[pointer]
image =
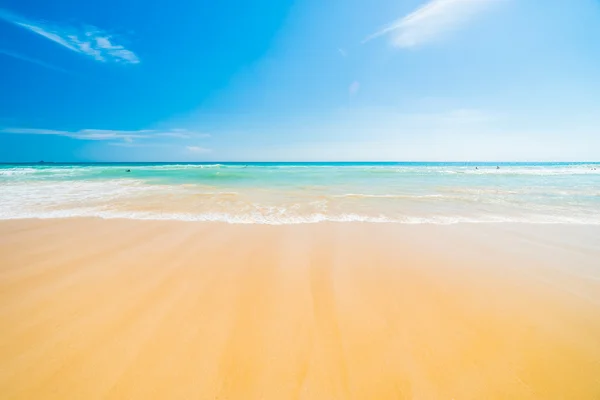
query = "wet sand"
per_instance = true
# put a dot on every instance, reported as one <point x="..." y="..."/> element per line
<point x="121" y="309"/>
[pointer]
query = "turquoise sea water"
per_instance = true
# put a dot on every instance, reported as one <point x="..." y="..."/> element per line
<point x="283" y="193"/>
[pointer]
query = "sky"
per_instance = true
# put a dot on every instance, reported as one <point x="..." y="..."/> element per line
<point x="303" y="80"/>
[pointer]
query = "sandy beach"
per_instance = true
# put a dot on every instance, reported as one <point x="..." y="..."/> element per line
<point x="123" y="309"/>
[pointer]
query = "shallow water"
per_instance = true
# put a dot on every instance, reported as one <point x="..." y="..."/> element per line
<point x="282" y="193"/>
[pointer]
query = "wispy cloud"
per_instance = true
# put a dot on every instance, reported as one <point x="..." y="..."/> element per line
<point x="106" y="134"/>
<point x="129" y="144"/>
<point x="182" y="134"/>
<point x="89" y="40"/>
<point x="342" y="52"/>
<point x="197" y="149"/>
<point x="84" y="134"/>
<point x="432" y="20"/>
<point x="32" y="60"/>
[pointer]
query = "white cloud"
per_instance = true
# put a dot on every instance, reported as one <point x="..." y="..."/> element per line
<point x="129" y="144"/>
<point x="84" y="134"/>
<point x="431" y="21"/>
<point x="115" y="50"/>
<point x="45" y="33"/>
<point x="90" y="41"/>
<point x="182" y="134"/>
<point x="354" y="88"/>
<point x="197" y="149"/>
<point x="107" y="134"/>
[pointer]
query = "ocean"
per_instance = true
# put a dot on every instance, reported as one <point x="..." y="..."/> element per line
<point x="292" y="193"/>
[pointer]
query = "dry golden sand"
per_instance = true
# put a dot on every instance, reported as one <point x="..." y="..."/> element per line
<point x="137" y="310"/>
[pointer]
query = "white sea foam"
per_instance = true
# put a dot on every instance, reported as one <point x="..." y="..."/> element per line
<point x="387" y="196"/>
<point x="532" y="171"/>
<point x="379" y="194"/>
<point x="174" y="167"/>
<point x="284" y="218"/>
<point x="17" y="171"/>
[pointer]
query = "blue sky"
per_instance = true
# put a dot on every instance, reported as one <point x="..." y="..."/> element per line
<point x="132" y="80"/>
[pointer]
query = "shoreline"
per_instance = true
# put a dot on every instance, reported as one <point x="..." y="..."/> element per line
<point x="416" y="221"/>
<point x="291" y="193"/>
<point x="95" y="308"/>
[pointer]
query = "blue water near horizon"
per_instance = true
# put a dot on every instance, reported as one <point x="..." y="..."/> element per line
<point x="305" y="192"/>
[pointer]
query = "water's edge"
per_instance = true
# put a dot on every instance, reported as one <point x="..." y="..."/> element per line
<point x="293" y="193"/>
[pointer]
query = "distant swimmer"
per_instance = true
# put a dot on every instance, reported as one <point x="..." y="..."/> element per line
<point x="497" y="167"/>
<point x="476" y="168"/>
<point x="128" y="170"/>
